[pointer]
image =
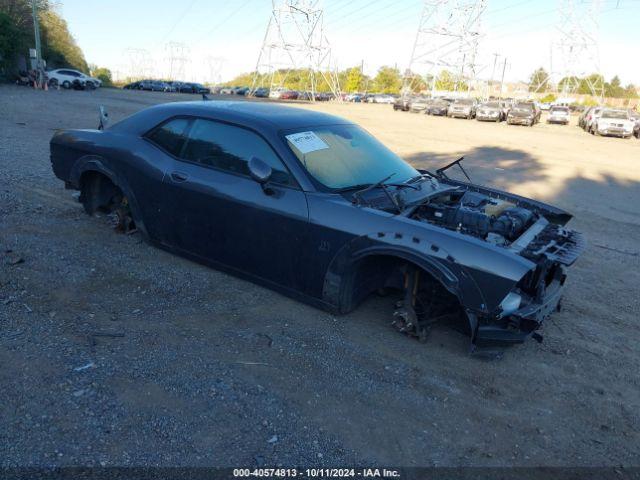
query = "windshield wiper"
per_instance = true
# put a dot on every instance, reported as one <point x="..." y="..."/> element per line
<point x="357" y="195"/>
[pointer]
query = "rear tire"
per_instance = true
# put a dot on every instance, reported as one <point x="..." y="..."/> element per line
<point x="99" y="194"/>
<point x="66" y="84"/>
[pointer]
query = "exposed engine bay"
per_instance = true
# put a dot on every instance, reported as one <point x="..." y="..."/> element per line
<point x="497" y="221"/>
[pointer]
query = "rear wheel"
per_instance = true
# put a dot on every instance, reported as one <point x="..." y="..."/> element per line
<point x="99" y="194"/>
<point x="66" y="84"/>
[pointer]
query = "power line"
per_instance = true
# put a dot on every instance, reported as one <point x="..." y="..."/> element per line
<point x="180" y="18"/>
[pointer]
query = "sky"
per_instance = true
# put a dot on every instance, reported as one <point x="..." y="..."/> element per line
<point x="223" y="38"/>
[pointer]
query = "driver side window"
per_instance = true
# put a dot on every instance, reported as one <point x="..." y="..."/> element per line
<point x="229" y="148"/>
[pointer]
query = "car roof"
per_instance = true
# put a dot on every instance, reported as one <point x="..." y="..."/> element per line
<point x="270" y="116"/>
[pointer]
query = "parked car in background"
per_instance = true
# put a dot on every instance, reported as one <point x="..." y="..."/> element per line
<point x="277" y="92"/>
<point x="490" y="112"/>
<point x="523" y="113"/>
<point x="226" y="91"/>
<point x="261" y="92"/>
<point x="402" y="103"/>
<point x="462" y="108"/>
<point x="354" y="97"/>
<point x="386" y="99"/>
<point x="289" y="95"/>
<point x="242" y="90"/>
<point x="132" y="86"/>
<point x="438" y="107"/>
<point x="559" y="114"/>
<point x="635" y="116"/>
<point x="419" y="105"/>
<point x="545" y="106"/>
<point x="582" y="118"/>
<point x="612" y="122"/>
<point x="192" y="87"/>
<point x="591" y="118"/>
<point x="324" y="96"/>
<point x="66" y="76"/>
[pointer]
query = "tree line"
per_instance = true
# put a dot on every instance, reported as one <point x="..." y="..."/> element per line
<point x="540" y="82"/>
<point x="58" y="46"/>
<point x="351" y="80"/>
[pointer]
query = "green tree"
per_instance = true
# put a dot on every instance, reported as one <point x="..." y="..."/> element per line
<point x="387" y="80"/>
<point x="355" y="80"/>
<point x="614" y="88"/>
<point x="12" y="42"/>
<point x="59" y="47"/>
<point x="630" y="91"/>
<point x="416" y="83"/>
<point x="592" y="84"/>
<point x="539" y="81"/>
<point x="446" y="81"/>
<point x="102" y="74"/>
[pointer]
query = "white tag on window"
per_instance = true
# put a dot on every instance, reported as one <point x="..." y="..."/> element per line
<point x="306" y="142"/>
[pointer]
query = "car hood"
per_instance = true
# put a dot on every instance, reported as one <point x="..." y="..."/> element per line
<point x="521" y="113"/>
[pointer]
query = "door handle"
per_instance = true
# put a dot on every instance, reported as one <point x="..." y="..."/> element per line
<point x="179" y="176"/>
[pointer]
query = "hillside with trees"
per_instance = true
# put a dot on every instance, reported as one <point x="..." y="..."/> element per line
<point x="59" y="48"/>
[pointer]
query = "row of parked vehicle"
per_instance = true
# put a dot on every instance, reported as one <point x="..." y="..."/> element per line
<point x="172" y="86"/>
<point x="595" y="120"/>
<point x="276" y="93"/>
<point x="610" y="122"/>
<point x="514" y="113"/>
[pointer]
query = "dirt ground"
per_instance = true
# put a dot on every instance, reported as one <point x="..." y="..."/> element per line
<point x="113" y="352"/>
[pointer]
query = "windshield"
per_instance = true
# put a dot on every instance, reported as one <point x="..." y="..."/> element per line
<point x="491" y="105"/>
<point x="615" y="114"/>
<point x="340" y="156"/>
<point x="464" y="101"/>
<point x="559" y="110"/>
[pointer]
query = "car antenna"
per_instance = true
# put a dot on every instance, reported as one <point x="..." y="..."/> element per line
<point x="104" y="118"/>
<point x="440" y="172"/>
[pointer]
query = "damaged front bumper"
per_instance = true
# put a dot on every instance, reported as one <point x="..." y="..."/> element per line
<point x="519" y="325"/>
<point x="554" y="248"/>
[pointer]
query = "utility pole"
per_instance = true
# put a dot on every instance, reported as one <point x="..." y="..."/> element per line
<point x="504" y="68"/>
<point x="36" y="32"/>
<point x="493" y="72"/>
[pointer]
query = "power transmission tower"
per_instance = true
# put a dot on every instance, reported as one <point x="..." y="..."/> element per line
<point x="575" y="54"/>
<point x="214" y="65"/>
<point x="177" y="55"/>
<point x="448" y="35"/>
<point x="295" y="41"/>
<point x="138" y="63"/>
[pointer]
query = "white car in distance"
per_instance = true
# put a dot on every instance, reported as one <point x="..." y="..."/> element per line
<point x="614" y="122"/>
<point x="559" y="114"/>
<point x="66" y="76"/>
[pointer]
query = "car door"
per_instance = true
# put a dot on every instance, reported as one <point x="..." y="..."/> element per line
<point x="215" y="210"/>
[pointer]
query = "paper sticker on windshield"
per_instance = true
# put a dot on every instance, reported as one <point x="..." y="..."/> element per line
<point x="307" y="142"/>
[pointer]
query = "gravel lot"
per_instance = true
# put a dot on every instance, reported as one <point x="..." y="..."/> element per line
<point x="117" y="353"/>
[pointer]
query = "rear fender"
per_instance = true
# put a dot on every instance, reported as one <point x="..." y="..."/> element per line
<point x="95" y="163"/>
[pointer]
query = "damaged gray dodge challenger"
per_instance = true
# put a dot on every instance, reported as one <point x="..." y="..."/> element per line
<point x="313" y="206"/>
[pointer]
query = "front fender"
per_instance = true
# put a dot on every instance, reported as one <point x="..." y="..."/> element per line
<point x="433" y="259"/>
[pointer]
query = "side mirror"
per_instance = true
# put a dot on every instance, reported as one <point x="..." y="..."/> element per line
<point x="259" y="171"/>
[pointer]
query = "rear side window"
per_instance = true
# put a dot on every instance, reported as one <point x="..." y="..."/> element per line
<point x="170" y="136"/>
<point x="230" y="148"/>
